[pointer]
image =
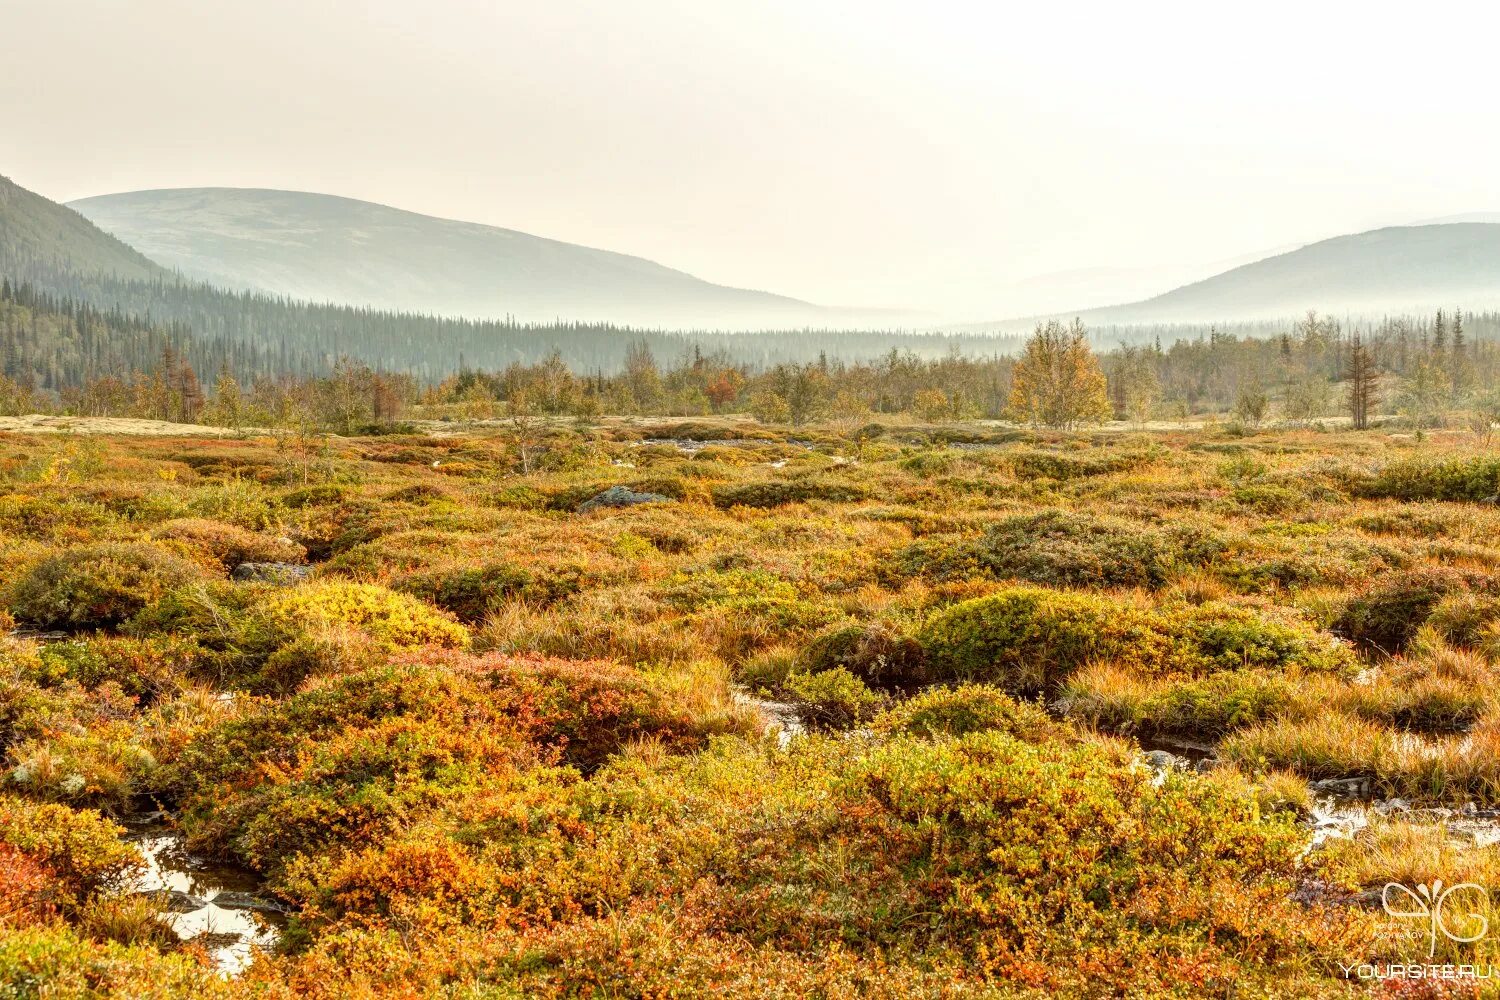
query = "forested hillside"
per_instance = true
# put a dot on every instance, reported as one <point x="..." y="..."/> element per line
<point x="40" y="237"/>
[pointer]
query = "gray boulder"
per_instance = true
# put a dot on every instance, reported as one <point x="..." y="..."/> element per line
<point x="229" y="900"/>
<point x="620" y="496"/>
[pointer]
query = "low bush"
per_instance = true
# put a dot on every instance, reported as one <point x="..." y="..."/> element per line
<point x="834" y="698"/>
<point x="871" y="652"/>
<point x="468" y="593"/>
<point x="269" y="639"/>
<point x="226" y="545"/>
<point x="1061" y="548"/>
<point x="1028" y="640"/>
<point x="968" y="708"/>
<point x="80" y="851"/>
<point x="776" y="493"/>
<point x="96" y="586"/>
<point x="1472" y="479"/>
<point x="1119" y="701"/>
<point x="1386" y="616"/>
<point x="146" y="668"/>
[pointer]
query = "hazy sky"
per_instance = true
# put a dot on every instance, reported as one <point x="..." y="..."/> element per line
<point x="924" y="154"/>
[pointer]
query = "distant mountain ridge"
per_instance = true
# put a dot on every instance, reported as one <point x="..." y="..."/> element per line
<point x="324" y="248"/>
<point x="1399" y="269"/>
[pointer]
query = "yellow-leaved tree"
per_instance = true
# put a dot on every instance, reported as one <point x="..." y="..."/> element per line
<point x="1056" y="381"/>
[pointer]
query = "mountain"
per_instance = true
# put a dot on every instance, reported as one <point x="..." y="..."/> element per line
<point x="1399" y="269"/>
<point x="322" y="248"/>
<point x="37" y="234"/>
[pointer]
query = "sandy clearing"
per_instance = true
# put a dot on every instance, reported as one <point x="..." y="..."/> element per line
<point x="40" y="423"/>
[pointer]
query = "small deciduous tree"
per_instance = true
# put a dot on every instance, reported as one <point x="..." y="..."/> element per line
<point x="1251" y="403"/>
<point x="1056" y="381"/>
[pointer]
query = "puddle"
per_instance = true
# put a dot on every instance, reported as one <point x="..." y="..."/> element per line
<point x="218" y="904"/>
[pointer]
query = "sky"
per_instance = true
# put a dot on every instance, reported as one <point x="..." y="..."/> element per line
<point x="967" y="160"/>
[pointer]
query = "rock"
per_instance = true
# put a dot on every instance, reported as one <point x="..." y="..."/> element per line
<point x="1391" y="806"/>
<point x="1161" y="760"/>
<point x="1349" y="788"/>
<point x="230" y="900"/>
<point x="283" y="574"/>
<point x="620" y="496"/>
<point x="176" y="902"/>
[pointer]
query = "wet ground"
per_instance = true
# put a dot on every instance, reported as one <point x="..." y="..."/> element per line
<point x="219" y="905"/>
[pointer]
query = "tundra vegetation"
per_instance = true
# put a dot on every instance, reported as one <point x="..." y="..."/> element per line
<point x="493" y="746"/>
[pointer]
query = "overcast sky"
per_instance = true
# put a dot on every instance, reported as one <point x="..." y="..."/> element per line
<point x="935" y="155"/>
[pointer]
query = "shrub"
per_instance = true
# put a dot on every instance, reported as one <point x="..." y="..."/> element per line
<point x="779" y="492"/>
<point x="834" y="698"/>
<point x="1456" y="479"/>
<point x="227" y="545"/>
<point x="81" y="851"/>
<point x="467" y="593"/>
<point x="1204" y="708"/>
<point x="873" y="653"/>
<point x="1028" y="640"/>
<point x="147" y="668"/>
<point x="268" y="639"/>
<point x="384" y="615"/>
<point x="96" y="586"/>
<point x="1057" y="465"/>
<point x="1387" y="616"/>
<point x="1060" y="548"/>
<point x="969" y="708"/>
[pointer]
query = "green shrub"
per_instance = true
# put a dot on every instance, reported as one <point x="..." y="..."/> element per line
<point x="779" y="492"/>
<point x="1057" y="465"/>
<point x="1456" y="479"/>
<point x="1202" y="708"/>
<point x="96" y="586"/>
<point x="467" y="593"/>
<point x="1387" y="616"/>
<point x="968" y="708"/>
<point x="833" y="698"/>
<point x="873" y="653"/>
<point x="1061" y="548"/>
<point x="1028" y="640"/>
<point x="147" y="668"/>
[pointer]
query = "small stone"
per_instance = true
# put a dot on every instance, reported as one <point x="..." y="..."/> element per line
<point x="1161" y="760"/>
<point x="620" y="496"/>
<point x="230" y="900"/>
<point x="282" y="574"/>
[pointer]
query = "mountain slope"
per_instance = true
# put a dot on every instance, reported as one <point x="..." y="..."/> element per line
<point x="1385" y="270"/>
<point x="37" y="235"/>
<point x="323" y="248"/>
